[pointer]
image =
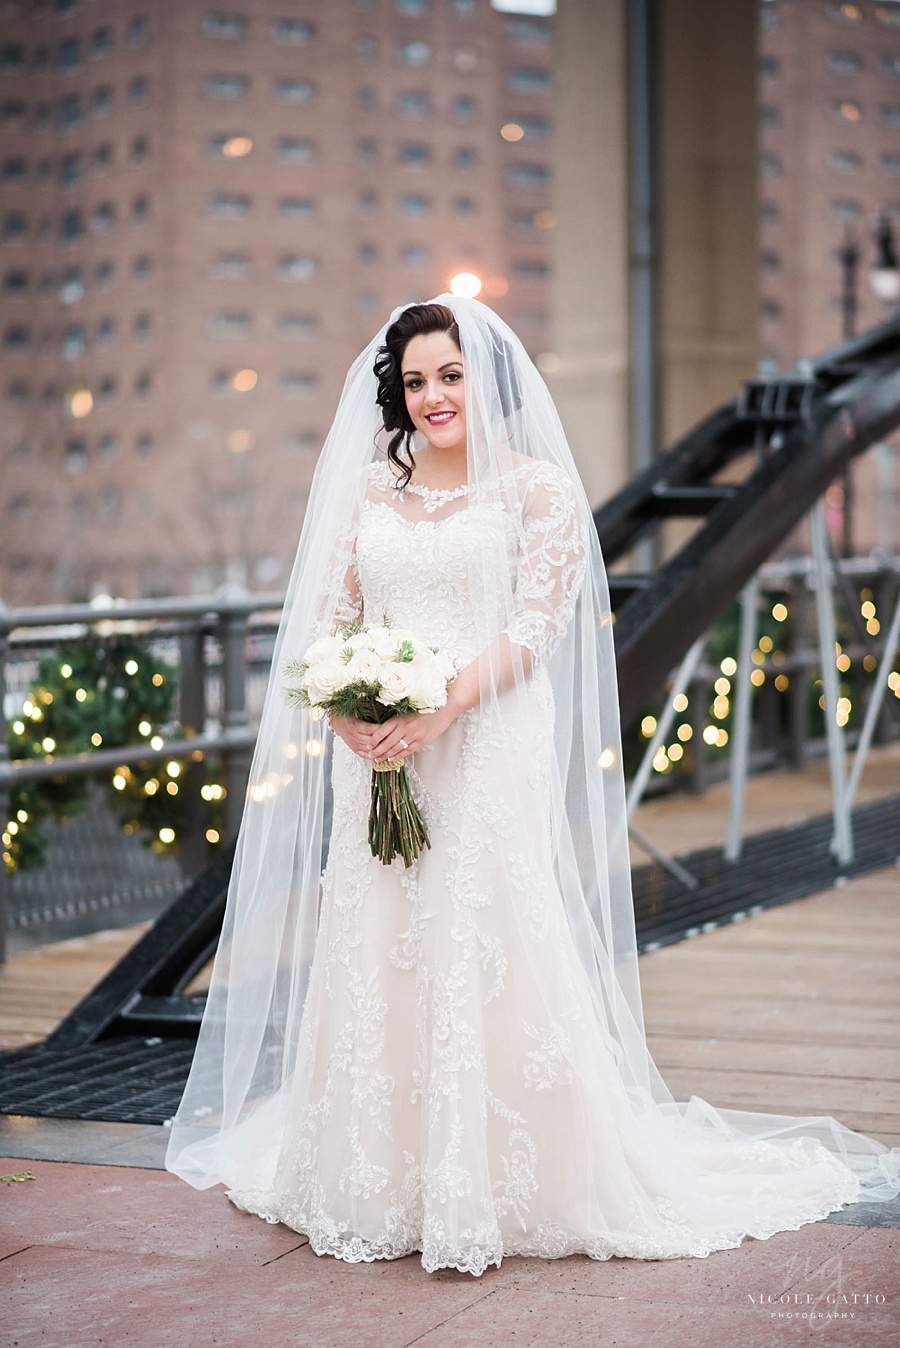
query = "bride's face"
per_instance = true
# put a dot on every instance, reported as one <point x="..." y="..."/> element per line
<point x="435" y="389"/>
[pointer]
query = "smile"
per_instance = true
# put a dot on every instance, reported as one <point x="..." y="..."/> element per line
<point x="439" y="418"/>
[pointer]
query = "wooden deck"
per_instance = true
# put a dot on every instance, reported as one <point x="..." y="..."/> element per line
<point x="792" y="1011"/>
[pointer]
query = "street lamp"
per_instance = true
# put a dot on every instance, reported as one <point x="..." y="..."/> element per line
<point x="885" y="274"/>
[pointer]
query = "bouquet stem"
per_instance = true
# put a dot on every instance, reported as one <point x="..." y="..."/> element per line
<point x="396" y="828"/>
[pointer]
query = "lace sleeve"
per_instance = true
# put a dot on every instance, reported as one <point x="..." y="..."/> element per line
<point x="552" y="563"/>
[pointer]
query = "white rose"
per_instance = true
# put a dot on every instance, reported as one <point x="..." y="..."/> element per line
<point x="326" y="648"/>
<point x="397" y="682"/>
<point x="383" y="642"/>
<point x="328" y="677"/>
<point x="430" y="691"/>
<point x="363" y="667"/>
<point x="360" y="641"/>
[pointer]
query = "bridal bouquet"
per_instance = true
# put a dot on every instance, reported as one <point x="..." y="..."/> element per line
<point x="374" y="673"/>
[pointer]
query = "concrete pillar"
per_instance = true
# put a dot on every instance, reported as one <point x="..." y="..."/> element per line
<point x="704" y="95"/>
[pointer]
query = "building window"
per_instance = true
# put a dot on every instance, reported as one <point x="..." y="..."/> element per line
<point x="293" y="91"/>
<point x="143" y="385"/>
<point x="366" y="99"/>
<point x="41" y="58"/>
<point x="367" y="202"/>
<point x="18" y="392"/>
<point x="144" y="443"/>
<point x="12" y="56"/>
<point x="20" y="504"/>
<point x="412" y="103"/>
<point x="229" y="205"/>
<point x="74" y="342"/>
<point x="845" y="13"/>
<point x="465" y="156"/>
<point x="43" y="114"/>
<point x="770" y="309"/>
<point x="138" y="91"/>
<point x="103" y="158"/>
<point x="770" y="165"/>
<point x="770" y="212"/>
<point x="299" y="385"/>
<point x="890" y="113"/>
<point x="70" y="167"/>
<point x="12" y="112"/>
<point x="227" y="26"/>
<point x="298" y="325"/>
<point x="106" y="331"/>
<point x="44" y="169"/>
<point x="846" y="110"/>
<point x="140" y="149"/>
<point x="14" y="172"/>
<point x="68" y="56"/>
<point x="107" y="388"/>
<point x="769" y="261"/>
<point x="529" y="175"/>
<point x="846" y="209"/>
<point x="109" y="503"/>
<point x="108" y="446"/>
<point x="292" y="30"/>
<point x="845" y="161"/>
<point x="844" y="62"/>
<point x="231" y="145"/>
<point x="140" y="210"/>
<point x="415" y="205"/>
<point x="769" y="115"/>
<point x="531" y="269"/>
<point x="104" y="274"/>
<point x="365" y="48"/>
<point x="412" y="6"/>
<point x="891" y="163"/>
<point x="528" y="81"/>
<point x="225" y="324"/>
<point x="465" y="59"/>
<point x="464" y="8"/>
<point x="103" y="217"/>
<point x="368" y="254"/>
<point x="888" y="16"/>
<point x="101" y="100"/>
<point x="226" y="86"/>
<point x="769" y="67"/>
<point x="69" y="111"/>
<point x="296" y="208"/>
<point x="464" y="107"/>
<point x="76" y="457"/>
<point x="71" y="226"/>
<point x="464" y="206"/>
<point x="101" y="42"/>
<point x="15" y="283"/>
<point x="533" y="128"/>
<point x="16" y="339"/>
<point x="72" y="286"/>
<point x="137" y="32"/>
<point x="142" y="268"/>
<point x="367" y="151"/>
<point x="231" y="266"/>
<point x="295" y="267"/>
<point x="414" y="255"/>
<point x="141" y="329"/>
<point x="890" y="65"/>
<point x="414" y="152"/>
<point x="528" y="30"/>
<point x="414" y="53"/>
<point x="295" y="151"/>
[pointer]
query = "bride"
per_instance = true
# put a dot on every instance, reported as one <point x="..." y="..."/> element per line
<point x="450" y="1057"/>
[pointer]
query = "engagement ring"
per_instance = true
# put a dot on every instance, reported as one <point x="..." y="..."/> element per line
<point x="403" y="744"/>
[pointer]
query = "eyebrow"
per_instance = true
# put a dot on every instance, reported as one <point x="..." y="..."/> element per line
<point x="441" y="368"/>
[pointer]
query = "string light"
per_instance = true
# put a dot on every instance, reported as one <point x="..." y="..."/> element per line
<point x="648" y="726"/>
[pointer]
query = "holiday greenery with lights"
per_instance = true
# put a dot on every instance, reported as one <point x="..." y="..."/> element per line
<point x="105" y="693"/>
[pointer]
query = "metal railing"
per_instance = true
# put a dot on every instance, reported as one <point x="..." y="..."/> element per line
<point x="219" y="642"/>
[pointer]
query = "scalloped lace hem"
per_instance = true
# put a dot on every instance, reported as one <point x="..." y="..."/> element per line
<point x="547" y="1241"/>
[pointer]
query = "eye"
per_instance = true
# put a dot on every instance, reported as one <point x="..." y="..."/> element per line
<point x="453" y="375"/>
<point x="413" y="383"/>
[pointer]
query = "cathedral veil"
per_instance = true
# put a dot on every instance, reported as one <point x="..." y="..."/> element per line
<point x="555" y="624"/>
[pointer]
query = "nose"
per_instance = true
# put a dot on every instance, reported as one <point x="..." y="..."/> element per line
<point x="434" y="395"/>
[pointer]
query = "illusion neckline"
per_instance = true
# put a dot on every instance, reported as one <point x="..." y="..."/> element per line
<point x="442" y="494"/>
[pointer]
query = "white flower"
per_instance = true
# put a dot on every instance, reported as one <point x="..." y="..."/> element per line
<point x="360" y="641"/>
<point x="363" y="666"/>
<point x="397" y="682"/>
<point x="383" y="642"/>
<point x="325" y="679"/>
<point x="326" y="648"/>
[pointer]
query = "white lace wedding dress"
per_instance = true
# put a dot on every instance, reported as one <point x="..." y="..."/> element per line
<point x="455" y="1091"/>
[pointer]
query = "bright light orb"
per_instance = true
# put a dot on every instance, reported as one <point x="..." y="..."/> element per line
<point x="466" y="284"/>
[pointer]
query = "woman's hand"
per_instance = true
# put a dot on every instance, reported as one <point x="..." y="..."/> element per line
<point x="403" y="735"/>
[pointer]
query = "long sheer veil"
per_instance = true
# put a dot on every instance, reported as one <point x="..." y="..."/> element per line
<point x="557" y="623"/>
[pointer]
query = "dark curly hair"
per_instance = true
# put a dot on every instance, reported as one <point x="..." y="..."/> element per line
<point x="419" y="320"/>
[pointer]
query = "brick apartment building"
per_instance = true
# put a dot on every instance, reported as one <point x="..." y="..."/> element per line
<point x="206" y="213"/>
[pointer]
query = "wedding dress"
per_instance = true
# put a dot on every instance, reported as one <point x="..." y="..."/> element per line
<point x="450" y="1058"/>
